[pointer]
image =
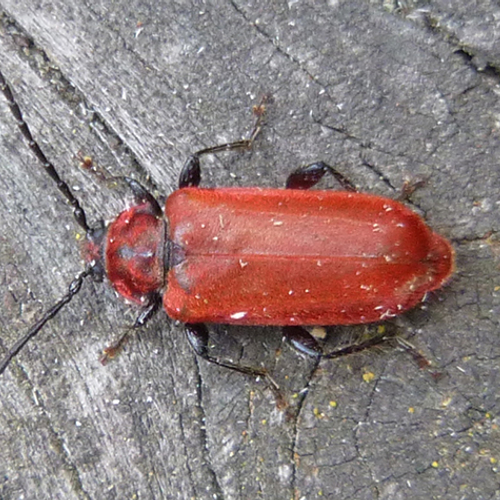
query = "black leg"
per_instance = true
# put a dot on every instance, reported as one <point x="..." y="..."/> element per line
<point x="305" y="343"/>
<point x="198" y="337"/>
<point x="144" y="316"/>
<point x="143" y="196"/>
<point x="190" y="175"/>
<point x="308" y="176"/>
<point x="302" y="341"/>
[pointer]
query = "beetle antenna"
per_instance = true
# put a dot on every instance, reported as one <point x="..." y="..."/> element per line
<point x="73" y="289"/>
<point x="78" y="211"/>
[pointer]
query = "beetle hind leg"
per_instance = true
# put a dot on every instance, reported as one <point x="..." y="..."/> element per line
<point x="305" y="343"/>
<point x="308" y="176"/>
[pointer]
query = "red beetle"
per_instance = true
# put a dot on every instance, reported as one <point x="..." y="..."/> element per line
<point x="252" y="256"/>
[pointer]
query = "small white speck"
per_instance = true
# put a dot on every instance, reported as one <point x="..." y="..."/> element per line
<point x="239" y="315"/>
<point x="243" y="263"/>
<point x="215" y="238"/>
<point x="307" y="290"/>
<point x="387" y="314"/>
<point x="277" y="223"/>
<point x="78" y="423"/>
<point x="115" y="402"/>
<point x="203" y="226"/>
<point x="290" y="292"/>
<point x="319" y="263"/>
<point x="400" y="224"/>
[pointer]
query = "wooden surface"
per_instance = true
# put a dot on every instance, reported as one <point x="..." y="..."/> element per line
<point x="385" y="94"/>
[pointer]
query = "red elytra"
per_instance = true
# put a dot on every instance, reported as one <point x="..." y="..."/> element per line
<point x="253" y="256"/>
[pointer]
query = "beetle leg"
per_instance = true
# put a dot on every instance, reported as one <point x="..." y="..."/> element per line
<point x="143" y="197"/>
<point x="355" y="348"/>
<point x="308" y="176"/>
<point x="144" y="316"/>
<point x="198" y="337"/>
<point x="301" y="340"/>
<point x="305" y="343"/>
<point x="190" y="175"/>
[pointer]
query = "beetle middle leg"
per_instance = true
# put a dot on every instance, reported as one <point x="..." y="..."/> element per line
<point x="190" y="175"/>
<point x="308" y="176"/>
<point x="198" y="337"/>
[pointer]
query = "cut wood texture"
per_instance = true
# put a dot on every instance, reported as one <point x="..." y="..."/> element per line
<point x="384" y="93"/>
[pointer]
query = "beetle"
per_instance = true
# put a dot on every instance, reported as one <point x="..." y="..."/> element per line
<point x="290" y="257"/>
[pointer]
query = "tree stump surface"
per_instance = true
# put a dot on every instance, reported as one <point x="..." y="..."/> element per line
<point x="385" y="94"/>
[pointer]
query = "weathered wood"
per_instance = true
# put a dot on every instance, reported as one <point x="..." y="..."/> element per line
<point x="139" y="85"/>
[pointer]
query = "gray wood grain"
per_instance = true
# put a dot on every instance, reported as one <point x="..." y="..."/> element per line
<point x="383" y="92"/>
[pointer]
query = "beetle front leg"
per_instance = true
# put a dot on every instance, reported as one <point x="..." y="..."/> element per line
<point x="144" y="316"/>
<point x="308" y="176"/>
